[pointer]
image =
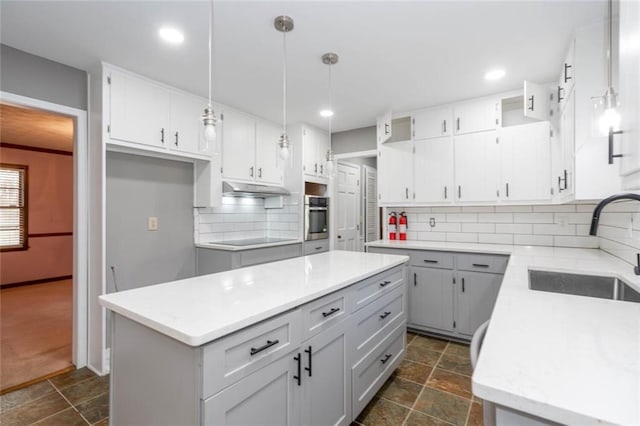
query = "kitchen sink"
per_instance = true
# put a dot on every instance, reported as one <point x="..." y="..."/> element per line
<point x="582" y="285"/>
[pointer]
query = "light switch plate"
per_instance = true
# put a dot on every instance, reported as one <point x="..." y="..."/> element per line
<point x="152" y="223"/>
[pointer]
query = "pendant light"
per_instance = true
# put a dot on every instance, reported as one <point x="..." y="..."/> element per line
<point x="209" y="117"/>
<point x="284" y="24"/>
<point x="607" y="105"/>
<point x="330" y="59"/>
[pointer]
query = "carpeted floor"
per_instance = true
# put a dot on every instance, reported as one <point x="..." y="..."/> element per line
<point x="36" y="326"/>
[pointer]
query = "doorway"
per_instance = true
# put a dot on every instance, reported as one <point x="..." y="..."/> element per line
<point x="42" y="278"/>
<point x="356" y="213"/>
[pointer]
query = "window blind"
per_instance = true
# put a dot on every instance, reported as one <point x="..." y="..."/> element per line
<point x="12" y="206"/>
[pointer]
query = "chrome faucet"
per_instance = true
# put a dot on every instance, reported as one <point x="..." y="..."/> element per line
<point x="595" y="219"/>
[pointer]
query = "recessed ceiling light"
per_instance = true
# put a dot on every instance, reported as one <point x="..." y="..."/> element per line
<point x="326" y="113"/>
<point x="494" y="75"/>
<point x="171" y="35"/>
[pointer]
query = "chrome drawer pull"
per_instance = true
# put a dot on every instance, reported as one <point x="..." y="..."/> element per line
<point x="480" y="265"/>
<point x="331" y="312"/>
<point x="430" y="261"/>
<point x="385" y="283"/>
<point x="386" y="314"/>
<point x="385" y="359"/>
<point x="266" y="346"/>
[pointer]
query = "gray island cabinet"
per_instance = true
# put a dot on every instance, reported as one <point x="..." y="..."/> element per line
<point x="305" y="341"/>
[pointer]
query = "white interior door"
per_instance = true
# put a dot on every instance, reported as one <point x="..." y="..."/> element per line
<point x="370" y="204"/>
<point x="347" y="214"/>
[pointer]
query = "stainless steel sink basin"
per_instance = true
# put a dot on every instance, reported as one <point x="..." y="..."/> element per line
<point x="582" y="285"/>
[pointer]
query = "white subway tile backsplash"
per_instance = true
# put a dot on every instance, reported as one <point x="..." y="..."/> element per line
<point x="533" y="240"/>
<point x="495" y="217"/>
<point x="554" y="229"/>
<point x="479" y="209"/>
<point x="432" y="236"/>
<point x="555" y="208"/>
<point x="448" y="209"/>
<point x="426" y="217"/>
<point x="495" y="238"/>
<point x="446" y="227"/>
<point x="478" y="227"/>
<point x="514" y="228"/>
<point x="514" y="209"/>
<point x="533" y="217"/>
<point x="580" y="241"/>
<point x="460" y="237"/>
<point x="588" y="208"/>
<point x="462" y="217"/>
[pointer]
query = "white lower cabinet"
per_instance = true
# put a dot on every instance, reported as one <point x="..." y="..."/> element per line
<point x="431" y="298"/>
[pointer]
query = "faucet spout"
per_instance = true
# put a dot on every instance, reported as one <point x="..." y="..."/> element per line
<point x="595" y="219"/>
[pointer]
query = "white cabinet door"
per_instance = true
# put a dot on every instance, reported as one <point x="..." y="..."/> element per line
<point x="432" y="123"/>
<point x="630" y="93"/>
<point x="525" y="162"/>
<point x="139" y="111"/>
<point x="536" y="101"/>
<point x="323" y="143"/>
<point x="383" y="129"/>
<point x="433" y="170"/>
<point x="565" y="180"/>
<point x="477" y="166"/>
<point x="477" y="293"/>
<point x="475" y="116"/>
<point x="395" y="170"/>
<point x="347" y="211"/>
<point x="270" y="168"/>
<point x="270" y="396"/>
<point x="326" y="382"/>
<point x="186" y="113"/>
<point x="238" y="146"/>
<point x="431" y="293"/>
<point x="310" y="152"/>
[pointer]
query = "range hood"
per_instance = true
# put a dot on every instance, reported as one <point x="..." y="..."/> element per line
<point x="240" y="189"/>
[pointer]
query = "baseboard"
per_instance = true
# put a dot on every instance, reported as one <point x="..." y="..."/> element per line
<point x="32" y="282"/>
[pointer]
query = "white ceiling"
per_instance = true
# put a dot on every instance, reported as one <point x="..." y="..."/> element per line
<point x="393" y="54"/>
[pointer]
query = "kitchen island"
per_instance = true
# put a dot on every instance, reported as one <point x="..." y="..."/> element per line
<point x="308" y="340"/>
<point x="550" y="357"/>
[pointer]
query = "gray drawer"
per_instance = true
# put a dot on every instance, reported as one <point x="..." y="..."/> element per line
<point x="493" y="263"/>
<point x="432" y="259"/>
<point x="319" y="246"/>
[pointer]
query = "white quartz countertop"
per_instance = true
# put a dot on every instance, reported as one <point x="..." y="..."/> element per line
<point x="201" y="309"/>
<point x="227" y="247"/>
<point x="571" y="359"/>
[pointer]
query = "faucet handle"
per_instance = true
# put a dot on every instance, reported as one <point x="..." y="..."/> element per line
<point x="636" y="269"/>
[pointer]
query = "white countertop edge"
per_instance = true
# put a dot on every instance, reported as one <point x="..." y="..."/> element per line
<point x="222" y="246"/>
<point x="443" y="246"/>
<point x="248" y="321"/>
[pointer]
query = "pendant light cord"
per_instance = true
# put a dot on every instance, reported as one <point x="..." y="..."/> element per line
<point x="610" y="43"/>
<point x="284" y="83"/>
<point x="210" y="48"/>
<point x="330" y="103"/>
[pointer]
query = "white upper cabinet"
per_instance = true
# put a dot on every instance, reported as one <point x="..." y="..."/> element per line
<point x="270" y="168"/>
<point x="630" y="94"/>
<point x="395" y="172"/>
<point x="383" y="129"/>
<point x="433" y="170"/>
<point x="432" y="123"/>
<point x="476" y="167"/>
<point x="525" y="163"/>
<point x="315" y="143"/>
<point x="536" y="101"/>
<point x="239" y="146"/>
<point x="139" y="110"/>
<point x="186" y="123"/>
<point x="475" y="116"/>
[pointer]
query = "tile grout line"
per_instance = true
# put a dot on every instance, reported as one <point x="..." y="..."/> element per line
<point x="424" y="385"/>
<point x="69" y="402"/>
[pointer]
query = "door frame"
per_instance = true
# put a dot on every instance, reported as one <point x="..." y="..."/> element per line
<point x="80" y="216"/>
<point x="334" y="210"/>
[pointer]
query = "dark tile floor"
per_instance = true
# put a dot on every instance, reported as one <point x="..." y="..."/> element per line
<point x="75" y="398"/>
<point x="432" y="386"/>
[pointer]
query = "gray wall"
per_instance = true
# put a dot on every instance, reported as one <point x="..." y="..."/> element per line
<point x="355" y="140"/>
<point x="139" y="187"/>
<point x="35" y="77"/>
<point x="363" y="161"/>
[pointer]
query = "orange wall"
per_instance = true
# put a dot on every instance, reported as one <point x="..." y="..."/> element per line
<point x="50" y="180"/>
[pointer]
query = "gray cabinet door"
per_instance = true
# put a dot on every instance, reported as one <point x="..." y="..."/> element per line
<point x="326" y="384"/>
<point x="270" y="396"/>
<point x="477" y="293"/>
<point x="431" y="294"/>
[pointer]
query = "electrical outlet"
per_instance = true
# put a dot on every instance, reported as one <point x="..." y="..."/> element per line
<point x="152" y="223"/>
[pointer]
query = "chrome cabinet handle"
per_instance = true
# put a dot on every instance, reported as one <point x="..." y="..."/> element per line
<point x="298" y="377"/>
<point x="480" y="265"/>
<point x="260" y="172"/>
<point x="458" y="123"/>
<point x="566" y="74"/>
<point x="162" y="135"/>
<point x="507" y="189"/>
<point x="430" y="261"/>
<point x="560" y="89"/>
<point x="321" y="168"/>
<point x="459" y="191"/>
<point x="444" y="126"/>
<point x="406" y="193"/>
<point x="386" y="128"/>
<point x="463" y="285"/>
<point x="251" y="171"/>
<point x="445" y="192"/>
<point x="176" y="139"/>
<point x="531" y="99"/>
<point x="415" y="279"/>
<point x="310" y="355"/>
<point x="315" y="167"/>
